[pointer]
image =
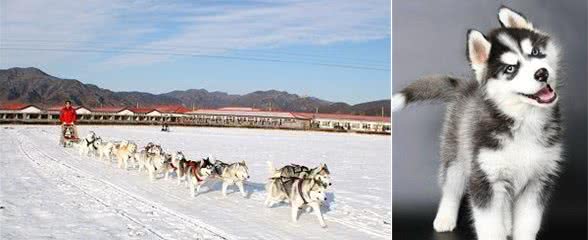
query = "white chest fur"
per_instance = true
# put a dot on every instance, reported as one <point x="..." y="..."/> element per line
<point x="522" y="157"/>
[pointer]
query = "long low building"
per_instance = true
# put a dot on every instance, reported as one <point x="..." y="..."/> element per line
<point x="179" y="115"/>
<point x="356" y="123"/>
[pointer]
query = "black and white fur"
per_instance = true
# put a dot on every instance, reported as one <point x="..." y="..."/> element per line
<point x="321" y="173"/>
<point x="235" y="173"/>
<point x="198" y="173"/>
<point x="299" y="192"/>
<point x="152" y="159"/>
<point x="502" y="136"/>
<point x="174" y="163"/>
<point x="87" y="145"/>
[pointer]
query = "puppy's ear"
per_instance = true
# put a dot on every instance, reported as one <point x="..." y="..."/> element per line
<point x="511" y="19"/>
<point x="478" y="52"/>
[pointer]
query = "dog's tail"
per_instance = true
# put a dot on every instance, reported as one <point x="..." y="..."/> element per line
<point x="270" y="168"/>
<point x="431" y="88"/>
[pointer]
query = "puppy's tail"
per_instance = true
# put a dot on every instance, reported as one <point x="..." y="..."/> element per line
<point x="432" y="88"/>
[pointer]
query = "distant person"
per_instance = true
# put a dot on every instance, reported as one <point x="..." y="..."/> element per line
<point x="68" y="117"/>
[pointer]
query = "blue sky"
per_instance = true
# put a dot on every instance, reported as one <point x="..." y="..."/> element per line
<point x="334" y="50"/>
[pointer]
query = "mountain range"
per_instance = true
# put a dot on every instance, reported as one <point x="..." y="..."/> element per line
<point x="33" y="86"/>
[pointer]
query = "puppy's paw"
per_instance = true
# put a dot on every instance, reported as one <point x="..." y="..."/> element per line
<point x="444" y="223"/>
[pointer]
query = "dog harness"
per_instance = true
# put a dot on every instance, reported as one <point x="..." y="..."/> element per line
<point x="92" y="143"/>
<point x="287" y="188"/>
<point x="195" y="169"/>
<point x="300" y="190"/>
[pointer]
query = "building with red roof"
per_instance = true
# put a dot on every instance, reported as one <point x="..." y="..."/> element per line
<point x="349" y="122"/>
<point x="20" y="108"/>
<point x="177" y="114"/>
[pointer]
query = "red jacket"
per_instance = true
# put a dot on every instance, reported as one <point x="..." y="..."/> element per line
<point x="68" y="115"/>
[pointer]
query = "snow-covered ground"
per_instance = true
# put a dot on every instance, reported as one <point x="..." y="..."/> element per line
<point x="47" y="191"/>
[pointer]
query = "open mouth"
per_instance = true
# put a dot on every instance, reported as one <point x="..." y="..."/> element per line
<point x="544" y="96"/>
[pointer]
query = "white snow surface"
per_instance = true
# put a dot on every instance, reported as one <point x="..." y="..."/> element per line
<point x="50" y="192"/>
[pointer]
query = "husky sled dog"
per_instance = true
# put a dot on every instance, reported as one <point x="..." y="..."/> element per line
<point x="197" y="172"/>
<point x="172" y="164"/>
<point x="299" y="192"/>
<point x="502" y="137"/>
<point x="105" y="150"/>
<point x="151" y="158"/>
<point x="321" y="173"/>
<point x="234" y="173"/>
<point x="124" y="151"/>
<point x="149" y="151"/>
<point x="88" y="144"/>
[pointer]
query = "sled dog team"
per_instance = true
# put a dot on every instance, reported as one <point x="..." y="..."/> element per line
<point x="301" y="186"/>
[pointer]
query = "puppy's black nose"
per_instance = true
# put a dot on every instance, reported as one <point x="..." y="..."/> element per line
<point x="330" y="184"/>
<point x="325" y="199"/>
<point x="541" y="75"/>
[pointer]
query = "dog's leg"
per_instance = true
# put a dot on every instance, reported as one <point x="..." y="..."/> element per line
<point x="179" y="176"/>
<point x="241" y="188"/>
<point x="453" y="186"/>
<point x="488" y="214"/>
<point x="192" y="187"/>
<point x="198" y="187"/>
<point x="224" y="188"/>
<point x="317" y="211"/>
<point x="507" y="213"/>
<point x="151" y="173"/>
<point x="528" y="210"/>
<point x="126" y="161"/>
<point x="294" y="211"/>
<point x="119" y="158"/>
<point x="268" y="200"/>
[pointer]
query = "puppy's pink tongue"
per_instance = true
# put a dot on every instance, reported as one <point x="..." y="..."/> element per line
<point x="545" y="94"/>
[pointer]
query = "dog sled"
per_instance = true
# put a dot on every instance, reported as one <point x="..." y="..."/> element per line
<point x="165" y="128"/>
<point x="69" y="135"/>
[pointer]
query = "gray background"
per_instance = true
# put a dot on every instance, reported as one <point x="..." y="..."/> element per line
<point x="429" y="37"/>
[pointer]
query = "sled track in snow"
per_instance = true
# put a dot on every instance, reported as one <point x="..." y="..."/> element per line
<point x="120" y="201"/>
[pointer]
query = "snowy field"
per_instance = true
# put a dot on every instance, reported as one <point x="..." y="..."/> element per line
<point x="48" y="192"/>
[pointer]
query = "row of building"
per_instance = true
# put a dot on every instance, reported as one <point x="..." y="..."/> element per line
<point x="179" y="115"/>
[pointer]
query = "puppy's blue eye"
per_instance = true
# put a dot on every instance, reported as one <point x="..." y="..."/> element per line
<point x="510" y="69"/>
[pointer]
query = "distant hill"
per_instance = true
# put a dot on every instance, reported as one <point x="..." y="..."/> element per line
<point x="31" y="85"/>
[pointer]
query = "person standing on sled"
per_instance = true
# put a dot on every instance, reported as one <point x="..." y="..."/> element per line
<point x="68" y="117"/>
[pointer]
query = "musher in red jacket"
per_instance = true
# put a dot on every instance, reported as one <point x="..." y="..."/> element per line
<point x="68" y="117"/>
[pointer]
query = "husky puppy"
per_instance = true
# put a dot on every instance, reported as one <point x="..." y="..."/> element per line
<point x="300" y="192"/>
<point x="502" y="137"/>
<point x="234" y="173"/>
<point x="124" y="151"/>
<point x="197" y="172"/>
<point x="88" y="144"/>
<point x="320" y="173"/>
